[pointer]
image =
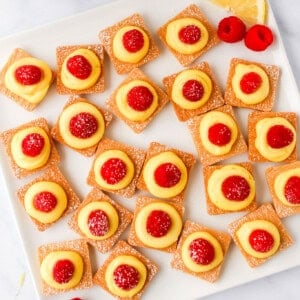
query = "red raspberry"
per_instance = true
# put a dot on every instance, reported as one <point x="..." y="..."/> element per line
<point x="235" y="188"/>
<point x="126" y="277"/>
<point x="44" y="201"/>
<point x="113" y="170"/>
<point x="202" y="251"/>
<point x="133" y="40"/>
<point x="259" y="37"/>
<point x="33" y="144"/>
<point x="167" y="175"/>
<point x="28" y="74"/>
<point x="139" y="98"/>
<point x="83" y="125"/>
<point x="63" y="271"/>
<point x="98" y="222"/>
<point x="79" y="67"/>
<point x="231" y="29"/>
<point x="279" y="136"/>
<point x="261" y="240"/>
<point x="158" y="223"/>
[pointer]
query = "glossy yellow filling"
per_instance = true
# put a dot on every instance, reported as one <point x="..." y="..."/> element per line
<point x="33" y="93"/>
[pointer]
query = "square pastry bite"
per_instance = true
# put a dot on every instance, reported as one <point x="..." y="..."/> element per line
<point x="80" y="69"/>
<point x="284" y="186"/>
<point x="193" y="91"/>
<point x="25" y="79"/>
<point x="48" y="198"/>
<point x="272" y="136"/>
<point x="166" y="172"/>
<point x="251" y="84"/>
<point x="30" y="148"/>
<point x="126" y="273"/>
<point x="229" y="188"/>
<point x="188" y="35"/>
<point x="217" y="135"/>
<point x="260" y="235"/>
<point x="81" y="125"/>
<point x="137" y="100"/>
<point x="201" y="251"/>
<point x="65" y="266"/>
<point x="100" y="220"/>
<point x="156" y="224"/>
<point x="116" y="168"/>
<point x="128" y="44"/>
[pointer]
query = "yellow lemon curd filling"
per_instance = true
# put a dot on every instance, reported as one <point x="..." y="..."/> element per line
<point x="74" y="83"/>
<point x="24" y="161"/>
<point x="127" y="260"/>
<point x="108" y="209"/>
<point x="129" y="112"/>
<point x="186" y="257"/>
<point x="181" y="79"/>
<point x="247" y="228"/>
<point x="260" y="94"/>
<point x="172" y="38"/>
<point x="33" y="93"/>
<point x="214" y="187"/>
<point x="167" y="240"/>
<point x="121" y="53"/>
<point x="273" y="154"/>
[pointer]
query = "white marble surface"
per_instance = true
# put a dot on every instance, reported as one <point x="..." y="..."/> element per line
<point x="18" y="15"/>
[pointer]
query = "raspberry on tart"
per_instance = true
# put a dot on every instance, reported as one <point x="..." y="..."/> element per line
<point x="165" y="172"/>
<point x="188" y="35"/>
<point x="156" y="224"/>
<point x="216" y="135"/>
<point x="100" y="220"/>
<point x="201" y="251"/>
<point x="25" y="79"/>
<point x="30" y="148"/>
<point x="137" y="100"/>
<point x="229" y="188"/>
<point x="128" y="44"/>
<point x="284" y="185"/>
<point x="260" y="235"/>
<point x="126" y="273"/>
<point x="272" y="136"/>
<point x="251" y="84"/>
<point x="80" y="69"/>
<point x="64" y="266"/>
<point x="193" y="91"/>
<point x="81" y="125"/>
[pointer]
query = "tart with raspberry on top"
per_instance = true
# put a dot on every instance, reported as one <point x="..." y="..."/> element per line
<point x="30" y="148"/>
<point x="260" y="235"/>
<point x="156" y="224"/>
<point x="25" y="79"/>
<point x="165" y="172"/>
<point x="80" y="69"/>
<point x="64" y="266"/>
<point x="201" y="251"/>
<point x="100" y="220"/>
<point x="81" y="125"/>
<point x="193" y="91"/>
<point x="126" y="273"/>
<point x="188" y="35"/>
<point x="251" y="84"/>
<point x="272" y="136"/>
<point x="116" y="168"/>
<point x="48" y="198"/>
<point x="128" y="44"/>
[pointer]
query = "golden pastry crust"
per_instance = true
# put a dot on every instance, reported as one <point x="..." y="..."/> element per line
<point x="140" y="204"/>
<point x="6" y="138"/>
<point x="272" y="173"/>
<point x="106" y="38"/>
<point x="135" y="154"/>
<point x="15" y="56"/>
<point x="264" y="212"/>
<point x="191" y="11"/>
<point x="255" y="117"/>
<point x="138" y="126"/>
<point x="212" y="209"/>
<point x="189" y="227"/>
<point x="215" y="100"/>
<point x="61" y="54"/>
<point x="273" y="73"/>
<point x="55" y="132"/>
<point x="122" y="248"/>
<point x="79" y="246"/>
<point x="156" y="148"/>
<point x="125" y="217"/>
<point x="206" y="157"/>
